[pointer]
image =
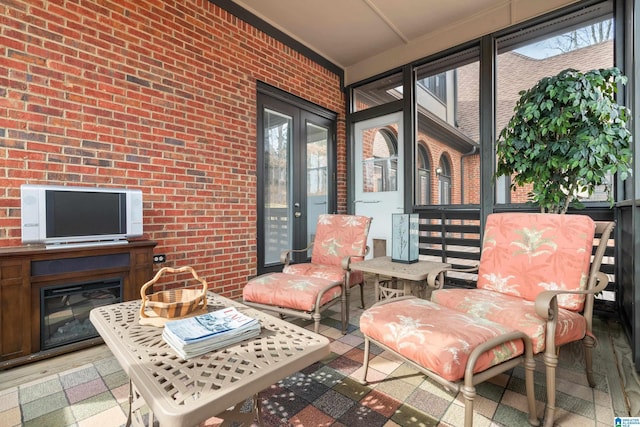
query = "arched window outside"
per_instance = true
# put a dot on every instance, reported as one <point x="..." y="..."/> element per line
<point x="444" y="180"/>
<point x="423" y="185"/>
<point x="380" y="167"/>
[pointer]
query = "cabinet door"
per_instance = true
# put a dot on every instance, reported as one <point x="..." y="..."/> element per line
<point x="15" y="319"/>
<point x="141" y="271"/>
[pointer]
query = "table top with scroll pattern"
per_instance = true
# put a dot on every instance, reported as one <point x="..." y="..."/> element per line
<point x="186" y="392"/>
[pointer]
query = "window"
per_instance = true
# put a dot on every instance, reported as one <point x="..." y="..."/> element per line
<point x="448" y="125"/>
<point x="448" y="107"/>
<point x="444" y="181"/>
<point x="317" y="161"/>
<point x="528" y="56"/>
<point x="423" y="187"/>
<point x="378" y="92"/>
<point x="380" y="168"/>
<point x="436" y="85"/>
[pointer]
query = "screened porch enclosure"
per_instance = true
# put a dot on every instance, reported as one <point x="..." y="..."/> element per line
<point x="457" y="102"/>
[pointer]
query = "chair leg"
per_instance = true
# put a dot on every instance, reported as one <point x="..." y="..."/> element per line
<point x="530" y="366"/>
<point x="362" y="294"/>
<point x="469" y="393"/>
<point x="344" y="310"/>
<point x="589" y="343"/>
<point x="551" y="362"/>
<point x="316" y="322"/>
<point x="365" y="362"/>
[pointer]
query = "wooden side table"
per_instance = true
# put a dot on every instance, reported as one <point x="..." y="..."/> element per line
<point x="417" y="278"/>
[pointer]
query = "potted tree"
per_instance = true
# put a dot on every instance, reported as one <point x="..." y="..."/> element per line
<point x="567" y="135"/>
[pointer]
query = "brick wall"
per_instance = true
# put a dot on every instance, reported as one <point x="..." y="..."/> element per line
<point x="155" y="95"/>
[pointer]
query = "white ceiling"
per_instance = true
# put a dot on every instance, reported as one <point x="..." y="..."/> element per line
<point x="349" y="31"/>
<point x="352" y="32"/>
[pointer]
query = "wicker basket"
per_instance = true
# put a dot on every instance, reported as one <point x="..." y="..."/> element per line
<point x="173" y="303"/>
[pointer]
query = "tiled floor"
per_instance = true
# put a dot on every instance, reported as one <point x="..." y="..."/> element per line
<point x="93" y="392"/>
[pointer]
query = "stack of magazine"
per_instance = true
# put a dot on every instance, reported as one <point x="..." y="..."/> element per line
<point x="194" y="336"/>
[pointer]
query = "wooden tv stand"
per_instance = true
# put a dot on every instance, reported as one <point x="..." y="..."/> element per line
<point x="25" y="270"/>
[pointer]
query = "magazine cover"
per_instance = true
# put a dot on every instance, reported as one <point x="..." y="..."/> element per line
<point x="197" y="348"/>
<point x="201" y="334"/>
<point x="205" y="326"/>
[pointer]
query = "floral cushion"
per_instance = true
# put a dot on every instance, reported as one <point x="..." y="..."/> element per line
<point x="524" y="254"/>
<point x="338" y="236"/>
<point x="289" y="291"/>
<point x="330" y="272"/>
<point x="435" y="337"/>
<point x="516" y="312"/>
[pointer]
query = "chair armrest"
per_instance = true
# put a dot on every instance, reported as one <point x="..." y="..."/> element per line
<point x="346" y="261"/>
<point x="433" y="278"/>
<point x="285" y="256"/>
<point x="471" y="269"/>
<point x="546" y="303"/>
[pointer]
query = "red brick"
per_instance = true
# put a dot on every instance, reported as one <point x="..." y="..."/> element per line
<point x="170" y="139"/>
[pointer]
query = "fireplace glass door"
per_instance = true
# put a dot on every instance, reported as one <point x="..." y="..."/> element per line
<point x="64" y="310"/>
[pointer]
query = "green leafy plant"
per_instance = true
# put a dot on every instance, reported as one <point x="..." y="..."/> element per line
<point x="566" y="136"/>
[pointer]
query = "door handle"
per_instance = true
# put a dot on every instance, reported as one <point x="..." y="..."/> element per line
<point x="366" y="201"/>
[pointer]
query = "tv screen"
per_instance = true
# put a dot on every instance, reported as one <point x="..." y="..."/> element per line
<point x="71" y="213"/>
<point x="57" y="215"/>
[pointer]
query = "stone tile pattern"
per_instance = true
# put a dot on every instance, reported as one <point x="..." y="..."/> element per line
<point x="327" y="393"/>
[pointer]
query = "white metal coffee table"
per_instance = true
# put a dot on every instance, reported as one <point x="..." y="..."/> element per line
<point x="185" y="393"/>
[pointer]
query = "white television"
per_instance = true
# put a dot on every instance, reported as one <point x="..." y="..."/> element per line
<point x="59" y="215"/>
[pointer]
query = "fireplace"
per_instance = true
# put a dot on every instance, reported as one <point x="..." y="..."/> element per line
<point x="64" y="310"/>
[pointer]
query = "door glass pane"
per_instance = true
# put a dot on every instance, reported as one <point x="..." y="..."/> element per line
<point x="277" y="214"/>
<point x="447" y="103"/>
<point x="378" y="177"/>
<point x="380" y="160"/>
<point x="583" y="47"/>
<point x="317" y="176"/>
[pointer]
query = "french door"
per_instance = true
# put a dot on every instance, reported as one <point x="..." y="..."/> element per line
<point x="296" y="175"/>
